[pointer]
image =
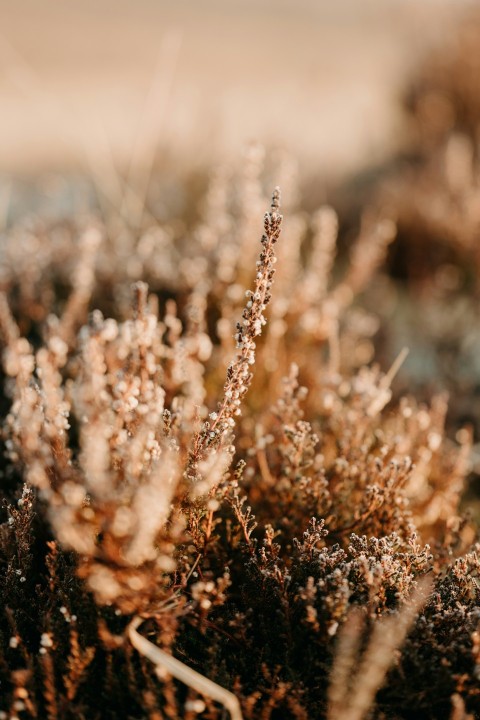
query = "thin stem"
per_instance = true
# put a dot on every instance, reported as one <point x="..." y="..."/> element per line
<point x="182" y="672"/>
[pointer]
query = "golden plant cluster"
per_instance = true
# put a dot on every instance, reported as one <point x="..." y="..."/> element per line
<point x="213" y="500"/>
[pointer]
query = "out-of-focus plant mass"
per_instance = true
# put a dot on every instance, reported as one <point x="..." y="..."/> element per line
<point x="216" y="502"/>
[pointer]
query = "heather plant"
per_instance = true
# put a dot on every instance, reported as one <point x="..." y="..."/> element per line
<point x="212" y="500"/>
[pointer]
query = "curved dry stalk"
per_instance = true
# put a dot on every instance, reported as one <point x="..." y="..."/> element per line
<point x="182" y="672"/>
<point x="384" y="393"/>
<point x="368" y="672"/>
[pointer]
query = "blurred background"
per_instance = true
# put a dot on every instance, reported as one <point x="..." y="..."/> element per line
<point x="87" y="83"/>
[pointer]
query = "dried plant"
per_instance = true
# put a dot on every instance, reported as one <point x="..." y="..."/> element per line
<point x="165" y="539"/>
<point x="214" y="501"/>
